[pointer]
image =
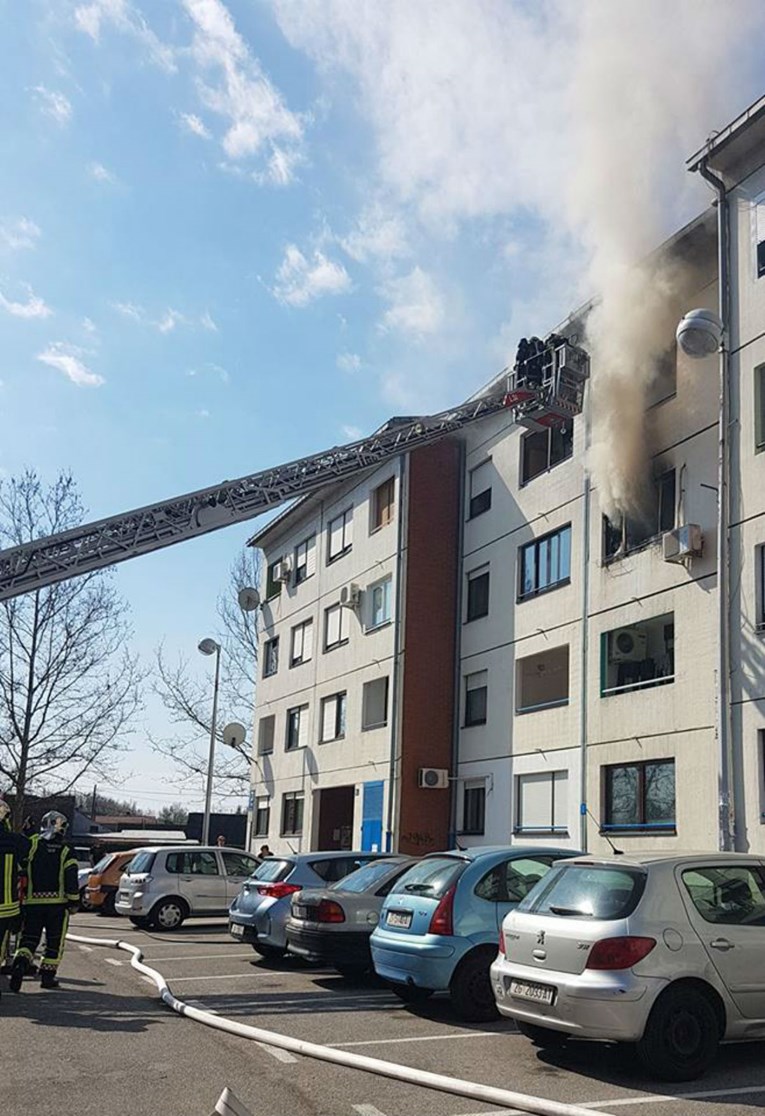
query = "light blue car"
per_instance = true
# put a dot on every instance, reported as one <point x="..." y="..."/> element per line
<point x="440" y="924"/>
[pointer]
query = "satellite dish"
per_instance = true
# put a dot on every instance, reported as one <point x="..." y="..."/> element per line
<point x="234" y="734"/>
<point x="248" y="598"/>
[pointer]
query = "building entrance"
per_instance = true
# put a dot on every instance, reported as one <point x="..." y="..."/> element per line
<point x="336" y="818"/>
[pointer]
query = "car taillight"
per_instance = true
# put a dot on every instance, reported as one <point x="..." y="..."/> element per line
<point x="329" y="911"/>
<point x="502" y="943"/>
<point x="277" y="890"/>
<point x="442" y="922"/>
<point x="619" y="953"/>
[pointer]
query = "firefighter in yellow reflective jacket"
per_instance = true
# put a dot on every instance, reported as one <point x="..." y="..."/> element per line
<point x="13" y="850"/>
<point x="51" y="894"/>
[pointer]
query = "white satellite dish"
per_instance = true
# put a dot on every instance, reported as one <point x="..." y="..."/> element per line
<point x="248" y="598"/>
<point x="234" y="734"/>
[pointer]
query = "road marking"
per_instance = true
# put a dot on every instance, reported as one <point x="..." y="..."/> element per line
<point x="112" y="961"/>
<point x="86" y="949"/>
<point x="149" y="981"/>
<point x="203" y="957"/>
<point x="202" y="1006"/>
<point x="424" y="1038"/>
<point x="647" y="1098"/>
<point x="367" y="1110"/>
<point x="277" y="1052"/>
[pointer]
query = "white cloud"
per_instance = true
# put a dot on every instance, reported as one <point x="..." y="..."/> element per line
<point x="349" y="362"/>
<point x="416" y="305"/>
<point x="34" y="307"/>
<point x="203" y="413"/>
<point x="66" y="358"/>
<point x="207" y="322"/>
<point x="170" y="319"/>
<point x="300" y="280"/>
<point x="91" y="17"/>
<point x="101" y="174"/>
<point x="130" y="310"/>
<point x="19" y="232"/>
<point x="54" y="104"/>
<point x="258" y="123"/>
<point x="89" y="326"/>
<point x="378" y="234"/>
<point x="190" y="122"/>
<point x="352" y="433"/>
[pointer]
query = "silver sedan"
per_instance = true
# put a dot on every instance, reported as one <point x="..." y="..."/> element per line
<point x="662" y="951"/>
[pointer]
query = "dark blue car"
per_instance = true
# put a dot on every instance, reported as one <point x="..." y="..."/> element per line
<point x="440" y="924"/>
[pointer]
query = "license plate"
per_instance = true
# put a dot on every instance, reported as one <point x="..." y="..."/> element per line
<point x="236" y="930"/>
<point x="540" y="993"/>
<point x="399" y="918"/>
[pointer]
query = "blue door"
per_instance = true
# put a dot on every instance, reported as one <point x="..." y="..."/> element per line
<point x="371" y="817"/>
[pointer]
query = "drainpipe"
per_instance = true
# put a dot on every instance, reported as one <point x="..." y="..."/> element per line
<point x="398" y="627"/>
<point x="727" y="811"/>
<point x="454" y="781"/>
<point x="584" y="667"/>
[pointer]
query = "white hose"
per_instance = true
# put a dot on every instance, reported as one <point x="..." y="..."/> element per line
<point x="485" y="1093"/>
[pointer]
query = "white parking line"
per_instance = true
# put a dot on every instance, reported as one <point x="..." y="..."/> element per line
<point x="277" y="1052"/>
<point x="202" y="1006"/>
<point x="86" y="949"/>
<point x="112" y="961"/>
<point x="367" y="1110"/>
<point x="203" y="957"/>
<point x="425" y="1038"/>
<point x="646" y="1098"/>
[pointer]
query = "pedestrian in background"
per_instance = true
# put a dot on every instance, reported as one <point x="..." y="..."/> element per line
<point x="264" y="852"/>
<point x="221" y="841"/>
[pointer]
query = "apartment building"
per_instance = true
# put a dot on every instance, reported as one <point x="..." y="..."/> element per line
<point x="357" y="654"/>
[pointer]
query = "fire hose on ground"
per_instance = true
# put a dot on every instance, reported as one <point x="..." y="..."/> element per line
<point x="488" y="1094"/>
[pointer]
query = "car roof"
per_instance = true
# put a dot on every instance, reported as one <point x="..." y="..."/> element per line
<point x="331" y="854"/>
<point x="644" y="859"/>
<point x="519" y="851"/>
<point x="190" y="848"/>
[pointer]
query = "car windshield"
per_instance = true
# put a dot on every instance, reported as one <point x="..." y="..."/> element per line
<point x="368" y="876"/>
<point x="587" y="891"/>
<point x="141" y="862"/>
<point x="103" y="863"/>
<point x="432" y="877"/>
<point x="271" y="870"/>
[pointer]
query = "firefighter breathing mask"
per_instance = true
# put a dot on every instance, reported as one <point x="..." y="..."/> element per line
<point x="53" y="825"/>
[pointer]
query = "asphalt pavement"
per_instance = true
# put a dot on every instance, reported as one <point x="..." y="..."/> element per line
<point x="105" y="1044"/>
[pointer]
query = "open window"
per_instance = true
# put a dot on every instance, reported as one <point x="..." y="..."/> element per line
<point x="542" y="680"/>
<point x="638" y="656"/>
<point x="625" y="535"/>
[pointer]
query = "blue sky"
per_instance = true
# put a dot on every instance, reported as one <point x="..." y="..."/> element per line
<point x="232" y="234"/>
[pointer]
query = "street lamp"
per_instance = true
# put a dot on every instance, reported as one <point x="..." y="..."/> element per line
<point x="210" y="647"/>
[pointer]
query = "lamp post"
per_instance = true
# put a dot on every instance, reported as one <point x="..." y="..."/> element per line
<point x="210" y="647"/>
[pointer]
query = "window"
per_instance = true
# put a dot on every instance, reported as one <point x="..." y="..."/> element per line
<point x="297" y="728"/>
<point x="270" y="657"/>
<point x="544" y="449"/>
<point x="478" y="594"/>
<point x="545" y="563"/>
<point x="340" y="535"/>
<point x="759" y="236"/>
<point x="474" y="806"/>
<point x="262" y="819"/>
<point x="512" y="880"/>
<point x="302" y="643"/>
<point x="380" y="603"/>
<point x="273" y="581"/>
<point x="542" y="680"/>
<point x="192" y="864"/>
<point x="292" y="814"/>
<point x="480" y="490"/>
<point x="638" y="656"/>
<point x="594" y="892"/>
<point x="759" y="589"/>
<point x="640" y="795"/>
<point x="333" y="718"/>
<point x="239" y="864"/>
<point x="382" y="505"/>
<point x="664" y="383"/>
<point x="374" y="704"/>
<point x="305" y="559"/>
<point x="729" y="894"/>
<point x="476" y="690"/>
<point x="335" y="627"/>
<point x="541" y="802"/>
<point x="759" y="409"/>
<point x="622" y="536"/>
<point x="266" y="728"/>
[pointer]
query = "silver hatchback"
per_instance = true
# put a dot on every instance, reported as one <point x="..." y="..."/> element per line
<point x="662" y="951"/>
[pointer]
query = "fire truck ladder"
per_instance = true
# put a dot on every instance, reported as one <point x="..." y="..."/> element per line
<point x="94" y="546"/>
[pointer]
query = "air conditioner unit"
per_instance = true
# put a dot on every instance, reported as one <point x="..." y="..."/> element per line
<point x="283" y="570"/>
<point x="433" y="778"/>
<point x="683" y="542"/>
<point x="628" y="645"/>
<point x="350" y="595"/>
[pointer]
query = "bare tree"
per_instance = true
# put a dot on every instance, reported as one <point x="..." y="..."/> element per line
<point x="69" y="688"/>
<point x="188" y="701"/>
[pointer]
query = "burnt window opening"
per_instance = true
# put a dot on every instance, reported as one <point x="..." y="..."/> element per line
<point x="621" y="536"/>
<point x="544" y="449"/>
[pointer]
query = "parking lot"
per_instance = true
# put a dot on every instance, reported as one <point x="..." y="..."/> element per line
<point x="207" y="969"/>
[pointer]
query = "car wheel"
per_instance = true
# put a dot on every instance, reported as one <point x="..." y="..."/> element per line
<point x="411" y="993"/>
<point x="107" y="907"/>
<point x="352" y="972"/>
<point x="269" y="953"/>
<point x="168" y="914"/>
<point x="85" y="904"/>
<point x="140" y="923"/>
<point x="681" y="1036"/>
<point x="543" y="1037"/>
<point x="471" y="990"/>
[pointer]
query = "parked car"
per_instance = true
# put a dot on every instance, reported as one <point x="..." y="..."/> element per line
<point x="83" y="875"/>
<point x="439" y="925"/>
<point x="104" y="879"/>
<point x="164" y="885"/>
<point x="333" y="924"/>
<point x="259" y="912"/>
<point x="663" y="951"/>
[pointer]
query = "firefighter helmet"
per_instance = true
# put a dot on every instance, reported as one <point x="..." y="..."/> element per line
<point x="53" y="825"/>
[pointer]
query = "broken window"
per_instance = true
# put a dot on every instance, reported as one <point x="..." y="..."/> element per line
<point x="542" y="680"/>
<point x="638" y="656"/>
<point x="620" y="536"/>
<point x="543" y="449"/>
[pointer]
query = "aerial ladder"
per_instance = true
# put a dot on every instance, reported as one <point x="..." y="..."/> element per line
<point x="544" y="388"/>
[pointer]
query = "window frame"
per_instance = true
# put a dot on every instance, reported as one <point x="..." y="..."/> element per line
<point x="262" y="721"/>
<point x="342" y="639"/>
<point x="341" y="716"/>
<point x="473" y="576"/>
<point x="271" y="646"/>
<point x="759" y="588"/>
<point x="474" y="826"/>
<point x="759" y="408"/>
<point x="556" y="703"/>
<point x="385" y="583"/>
<point x="477" y="504"/>
<point x="305" y="545"/>
<point x="523" y="480"/>
<point x="536" y="545"/>
<point x="258" y="809"/>
<point x="364" y="701"/>
<point x="377" y="507"/>
<point x="298" y="713"/>
<point x="621" y="530"/>
<point x="606" y="691"/>
<point x="295" y="799"/>
<point x="347" y="530"/>
<point x="641" y="826"/>
<point x="518" y="825"/>
<point x="273" y="587"/>
<point x="472" y="723"/>
<point x="302" y="627"/>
